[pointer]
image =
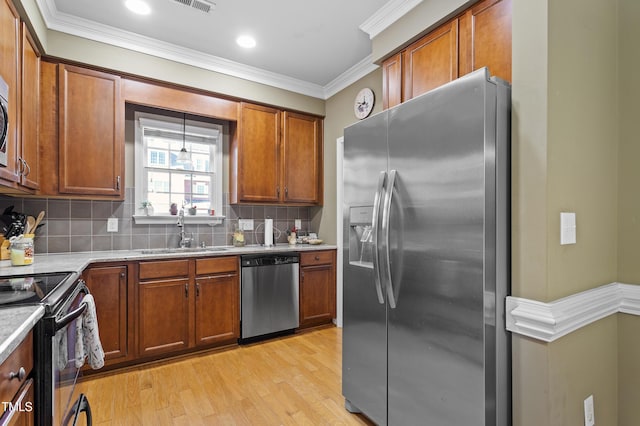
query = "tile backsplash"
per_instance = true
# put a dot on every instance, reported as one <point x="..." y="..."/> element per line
<point x="81" y="225"/>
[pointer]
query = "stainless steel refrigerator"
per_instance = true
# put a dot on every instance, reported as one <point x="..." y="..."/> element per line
<point x="426" y="258"/>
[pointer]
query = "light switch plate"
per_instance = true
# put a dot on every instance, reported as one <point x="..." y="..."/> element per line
<point x="589" y="415"/>
<point x="298" y="224"/>
<point x="245" y="224"/>
<point x="567" y="228"/>
<point x="112" y="224"/>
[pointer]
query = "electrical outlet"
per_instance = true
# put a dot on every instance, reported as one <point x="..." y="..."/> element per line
<point x="298" y="224"/>
<point x="589" y="415"/>
<point x="245" y="224"/>
<point x="112" y="224"/>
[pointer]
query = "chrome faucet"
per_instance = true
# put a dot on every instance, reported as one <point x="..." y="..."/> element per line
<point x="184" y="240"/>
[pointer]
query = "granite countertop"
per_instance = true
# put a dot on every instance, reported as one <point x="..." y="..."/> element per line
<point x="16" y="322"/>
<point x="78" y="261"/>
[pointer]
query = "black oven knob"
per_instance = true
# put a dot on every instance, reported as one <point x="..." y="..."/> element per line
<point x="20" y="375"/>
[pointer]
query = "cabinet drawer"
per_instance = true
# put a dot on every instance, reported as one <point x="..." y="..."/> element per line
<point x="164" y="269"/>
<point x="316" y="258"/>
<point x="21" y="357"/>
<point x="216" y="265"/>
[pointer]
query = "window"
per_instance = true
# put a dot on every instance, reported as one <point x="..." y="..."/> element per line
<point x="163" y="179"/>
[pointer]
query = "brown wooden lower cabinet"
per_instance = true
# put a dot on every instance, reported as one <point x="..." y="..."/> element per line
<point x="18" y="390"/>
<point x="317" y="288"/>
<point x="23" y="409"/>
<point x="108" y="285"/>
<point x="152" y="308"/>
<point x="163" y="313"/>
<point x="188" y="303"/>
<point x="217" y="309"/>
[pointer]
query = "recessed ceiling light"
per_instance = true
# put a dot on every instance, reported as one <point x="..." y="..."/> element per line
<point x="138" y="6"/>
<point x="246" y="41"/>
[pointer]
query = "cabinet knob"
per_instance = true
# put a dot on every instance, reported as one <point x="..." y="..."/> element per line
<point x="122" y="275"/>
<point x="317" y="257"/>
<point x="20" y="375"/>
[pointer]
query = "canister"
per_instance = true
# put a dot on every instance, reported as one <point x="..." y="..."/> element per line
<point x="21" y="250"/>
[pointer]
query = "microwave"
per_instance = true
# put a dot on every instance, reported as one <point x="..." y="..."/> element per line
<point x="4" y="121"/>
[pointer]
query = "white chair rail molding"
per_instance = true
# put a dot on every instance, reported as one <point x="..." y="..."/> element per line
<point x="550" y="321"/>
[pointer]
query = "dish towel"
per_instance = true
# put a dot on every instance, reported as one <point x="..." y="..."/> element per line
<point x="88" y="338"/>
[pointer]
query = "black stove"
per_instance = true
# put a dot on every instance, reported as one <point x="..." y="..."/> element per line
<point x="48" y="289"/>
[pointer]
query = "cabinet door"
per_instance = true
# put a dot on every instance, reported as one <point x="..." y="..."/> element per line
<point x="9" y="57"/>
<point x="485" y="38"/>
<point x="163" y="316"/>
<point x="24" y="412"/>
<point x="91" y="132"/>
<point x="302" y="155"/>
<point x="217" y="309"/>
<point x="258" y="154"/>
<point x="317" y="295"/>
<point x="30" y="111"/>
<point x="431" y="61"/>
<point x="108" y="285"/>
<point x="392" y="81"/>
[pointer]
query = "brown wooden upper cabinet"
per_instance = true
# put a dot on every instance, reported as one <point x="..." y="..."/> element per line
<point x="30" y="112"/>
<point x="10" y="71"/>
<point x="90" y="133"/>
<point x="479" y="37"/>
<point x="276" y="157"/>
<point x="20" y="68"/>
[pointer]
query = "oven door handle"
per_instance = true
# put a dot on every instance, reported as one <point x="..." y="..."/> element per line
<point x="62" y="322"/>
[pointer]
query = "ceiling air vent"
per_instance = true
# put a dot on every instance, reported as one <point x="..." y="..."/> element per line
<point x="201" y="5"/>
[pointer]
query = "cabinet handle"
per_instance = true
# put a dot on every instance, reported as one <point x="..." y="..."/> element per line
<point x="278" y="191"/>
<point x="197" y="289"/>
<point x="186" y="290"/>
<point x="286" y="192"/>
<point x="20" y="166"/>
<point x="118" y="183"/>
<point x="28" y="167"/>
<point x="20" y="375"/>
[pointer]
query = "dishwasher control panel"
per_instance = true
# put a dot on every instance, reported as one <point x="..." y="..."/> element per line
<point x="265" y="260"/>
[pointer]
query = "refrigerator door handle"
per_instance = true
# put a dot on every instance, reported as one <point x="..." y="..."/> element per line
<point x="382" y="179"/>
<point x="385" y="231"/>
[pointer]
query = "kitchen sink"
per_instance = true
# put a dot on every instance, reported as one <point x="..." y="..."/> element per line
<point x="182" y="250"/>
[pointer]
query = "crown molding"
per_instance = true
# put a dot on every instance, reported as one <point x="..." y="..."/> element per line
<point x="387" y="15"/>
<point x="350" y="76"/>
<point x="58" y="21"/>
<point x="550" y="321"/>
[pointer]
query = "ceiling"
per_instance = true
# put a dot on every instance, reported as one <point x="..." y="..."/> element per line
<point x="307" y="47"/>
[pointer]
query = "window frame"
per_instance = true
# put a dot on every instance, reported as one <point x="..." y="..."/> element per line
<point x="175" y="124"/>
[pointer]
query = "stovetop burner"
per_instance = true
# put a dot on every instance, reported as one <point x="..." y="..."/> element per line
<point x="30" y="289"/>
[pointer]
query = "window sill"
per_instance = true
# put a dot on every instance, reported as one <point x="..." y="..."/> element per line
<point x="171" y="219"/>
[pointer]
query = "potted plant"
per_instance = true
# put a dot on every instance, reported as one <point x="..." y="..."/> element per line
<point x="173" y="209"/>
<point x="147" y="207"/>
<point x="193" y="210"/>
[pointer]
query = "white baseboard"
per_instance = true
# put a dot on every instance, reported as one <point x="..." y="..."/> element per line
<point x="550" y="321"/>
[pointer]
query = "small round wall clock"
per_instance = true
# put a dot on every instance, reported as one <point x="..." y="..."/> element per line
<point x="363" y="104"/>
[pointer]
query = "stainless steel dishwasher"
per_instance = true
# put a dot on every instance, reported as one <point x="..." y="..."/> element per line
<point x="269" y="294"/>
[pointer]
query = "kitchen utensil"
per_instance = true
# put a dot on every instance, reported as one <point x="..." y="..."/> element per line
<point x="38" y="220"/>
<point x="31" y="225"/>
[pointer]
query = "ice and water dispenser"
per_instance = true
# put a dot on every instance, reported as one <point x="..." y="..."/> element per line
<point x="361" y="249"/>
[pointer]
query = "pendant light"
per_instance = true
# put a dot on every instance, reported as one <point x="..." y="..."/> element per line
<point x="183" y="156"/>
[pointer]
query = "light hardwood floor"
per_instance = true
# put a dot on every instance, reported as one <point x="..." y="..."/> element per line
<point x="294" y="380"/>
